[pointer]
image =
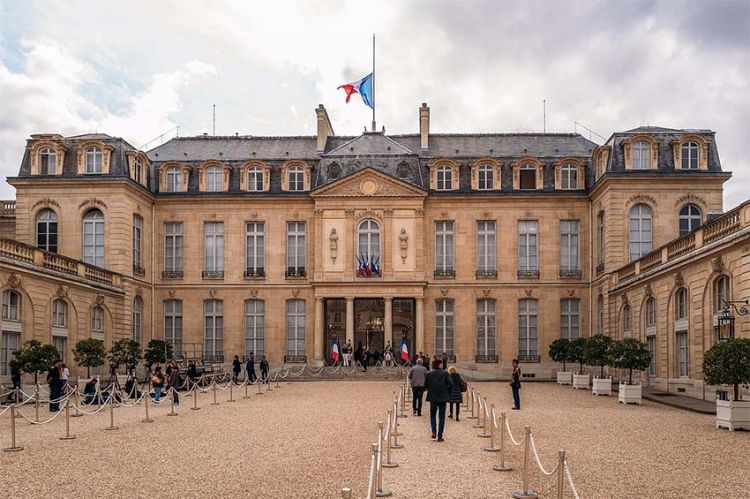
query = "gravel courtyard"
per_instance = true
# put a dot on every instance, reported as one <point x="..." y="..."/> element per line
<point x="309" y="439"/>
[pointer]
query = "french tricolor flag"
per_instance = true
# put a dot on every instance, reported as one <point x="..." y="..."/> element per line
<point x="362" y="87"/>
<point x="335" y="351"/>
<point x="404" y="350"/>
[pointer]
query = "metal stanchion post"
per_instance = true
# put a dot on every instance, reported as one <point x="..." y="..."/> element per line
<point x="13" y="447"/>
<point x="246" y="385"/>
<point x="187" y="387"/>
<point x="67" y="436"/>
<point x="195" y="399"/>
<point x="231" y="394"/>
<point x="36" y="403"/>
<point x="465" y="402"/>
<point x="78" y="414"/>
<point x="396" y="433"/>
<point x="560" y="472"/>
<point x="277" y="383"/>
<point x="379" y="465"/>
<point x="473" y="398"/>
<point x="502" y="466"/>
<point x="485" y="420"/>
<point x="145" y="401"/>
<point x="214" y="390"/>
<point x="257" y="382"/>
<point x="171" y="403"/>
<point x="480" y="413"/>
<point x="403" y="404"/>
<point x="526" y="493"/>
<point x="388" y="463"/>
<point x="346" y="493"/>
<point x="492" y="447"/>
<point x="17" y="395"/>
<point x="112" y="417"/>
<point x="268" y="383"/>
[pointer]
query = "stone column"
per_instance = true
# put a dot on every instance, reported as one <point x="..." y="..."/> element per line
<point x="319" y="329"/>
<point x="350" y="320"/>
<point x="388" y="330"/>
<point x="419" y="339"/>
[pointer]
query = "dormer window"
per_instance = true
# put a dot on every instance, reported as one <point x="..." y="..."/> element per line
<point x="641" y="156"/>
<point x="174" y="179"/>
<point x="402" y="171"/>
<point x="485" y="177"/>
<point x="94" y="160"/>
<point x="689" y="153"/>
<point x="527" y="177"/>
<point x="444" y="178"/>
<point x="214" y="179"/>
<point x="334" y="171"/>
<point x="569" y="176"/>
<point x="255" y="179"/>
<point x="138" y="165"/>
<point x="47" y="161"/>
<point x="296" y="179"/>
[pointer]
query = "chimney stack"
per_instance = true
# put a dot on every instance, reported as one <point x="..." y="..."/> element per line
<point x="325" y="129"/>
<point x="424" y="126"/>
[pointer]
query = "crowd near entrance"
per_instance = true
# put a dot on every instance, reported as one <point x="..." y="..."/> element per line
<point x="367" y="328"/>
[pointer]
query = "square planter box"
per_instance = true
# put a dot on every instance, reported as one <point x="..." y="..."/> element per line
<point x="630" y="394"/>
<point x="602" y="386"/>
<point x="581" y="381"/>
<point x="733" y="414"/>
<point x="564" y="378"/>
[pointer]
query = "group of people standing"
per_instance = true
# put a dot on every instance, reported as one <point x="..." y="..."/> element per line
<point x="57" y="379"/>
<point x="250" y="374"/>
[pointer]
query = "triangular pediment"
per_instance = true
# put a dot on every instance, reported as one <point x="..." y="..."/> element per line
<point x="370" y="144"/>
<point x="368" y="182"/>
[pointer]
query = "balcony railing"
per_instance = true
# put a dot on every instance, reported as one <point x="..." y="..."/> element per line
<point x="212" y="274"/>
<point x="723" y="226"/>
<point x="528" y="357"/>
<point x="528" y="274"/>
<point x="486" y="274"/>
<point x="172" y="274"/>
<point x="445" y="273"/>
<point x="21" y="252"/>
<point x="257" y="272"/>
<point x="295" y="272"/>
<point x="295" y="359"/>
<point x="216" y="358"/>
<point x="9" y="207"/>
<point x="485" y="359"/>
<point x="570" y="274"/>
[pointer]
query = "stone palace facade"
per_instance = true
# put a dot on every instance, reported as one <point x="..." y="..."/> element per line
<point x="484" y="246"/>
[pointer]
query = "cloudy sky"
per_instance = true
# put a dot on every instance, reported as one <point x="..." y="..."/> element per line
<point x="137" y="69"/>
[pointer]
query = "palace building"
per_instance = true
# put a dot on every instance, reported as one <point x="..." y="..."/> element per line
<point x="485" y="246"/>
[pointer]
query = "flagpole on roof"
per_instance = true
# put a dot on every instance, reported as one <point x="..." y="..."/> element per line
<point x="373" y="82"/>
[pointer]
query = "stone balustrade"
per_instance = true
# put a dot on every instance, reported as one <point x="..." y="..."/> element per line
<point x="9" y="207"/>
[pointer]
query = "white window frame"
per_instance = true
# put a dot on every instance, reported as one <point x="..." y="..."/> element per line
<point x="692" y="216"/>
<point x="722" y="289"/>
<point x="485" y="177"/>
<point x="137" y="318"/>
<point x="486" y="327"/>
<point x="525" y="168"/>
<point x="296" y="179"/>
<point x="486" y="246"/>
<point x="689" y="155"/>
<point x="296" y="240"/>
<point x="213" y="260"/>
<point x="627" y="321"/>
<point x="173" y="177"/>
<point x="59" y="313"/>
<point x="444" y="246"/>
<point x="368" y="239"/>
<point x="255" y="179"/>
<point x="94" y="159"/>
<point x="97" y="322"/>
<point x="47" y="161"/>
<point x="255" y="248"/>
<point x="213" y="329"/>
<point x="570" y="318"/>
<point x="683" y="353"/>
<point x="569" y="177"/>
<point x="528" y="245"/>
<point x="11" y="311"/>
<point x="93" y="226"/>
<point x="173" y="246"/>
<point x="569" y="245"/>
<point x="444" y="178"/>
<point x="640" y="231"/>
<point x="47" y="220"/>
<point x="137" y="241"/>
<point x="682" y="308"/>
<point x="602" y="316"/>
<point x="295" y="327"/>
<point x="214" y="179"/>
<point x="641" y="155"/>
<point x="255" y="327"/>
<point x="528" y="328"/>
<point x="652" y="346"/>
<point x="10" y="341"/>
<point x="445" y="326"/>
<point x="173" y="325"/>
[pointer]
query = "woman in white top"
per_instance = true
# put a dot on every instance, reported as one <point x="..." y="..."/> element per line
<point x="64" y="374"/>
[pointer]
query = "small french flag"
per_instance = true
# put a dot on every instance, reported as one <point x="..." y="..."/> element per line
<point x="404" y="350"/>
<point x="335" y="351"/>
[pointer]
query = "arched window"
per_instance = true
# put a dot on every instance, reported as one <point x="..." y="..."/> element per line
<point x="681" y="304"/>
<point x="640" y="231"/>
<point x="254" y="327"/>
<point x="569" y="176"/>
<point x="527" y="177"/>
<point x="94" y="160"/>
<point x="444" y="178"/>
<point x="296" y="179"/>
<point x="59" y="313"/>
<point x="255" y="179"/>
<point x="651" y="312"/>
<point x="174" y="179"/>
<point x="47" y="161"/>
<point x="368" y="234"/>
<point x="641" y="156"/>
<point x="137" y="318"/>
<point x="46" y="231"/>
<point x="11" y="306"/>
<point x="93" y="238"/>
<point x="214" y="179"/>
<point x="690" y="219"/>
<point x="485" y="177"/>
<point x="689" y="154"/>
<point x="334" y="171"/>
<point x="627" y="321"/>
<point x="402" y="171"/>
<point x="721" y="292"/>
<point x="97" y="321"/>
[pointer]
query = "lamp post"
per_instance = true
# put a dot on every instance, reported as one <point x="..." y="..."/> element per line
<point x="725" y="321"/>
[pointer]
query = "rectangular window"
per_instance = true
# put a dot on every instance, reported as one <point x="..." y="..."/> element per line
<point x="570" y="317"/>
<point x="254" y="327"/>
<point x="486" y="325"/>
<point x="444" y="326"/>
<point x="58" y="313"/>
<point x="137" y="242"/>
<point x="569" y="245"/>
<point x="61" y="345"/>
<point x="651" y="342"/>
<point x="11" y="305"/>
<point x="97" y="320"/>
<point x="600" y="304"/>
<point x="295" y="329"/>
<point x="255" y="249"/>
<point x="11" y="342"/>
<point x="173" y="246"/>
<point x="527" y="246"/>
<point x="528" y="330"/>
<point x="444" y="249"/>
<point x="295" y="249"/>
<point x="527" y="178"/>
<point x="213" y="330"/>
<point x="600" y="231"/>
<point x="173" y="325"/>
<point x="214" y="247"/>
<point x="486" y="247"/>
<point x="137" y="319"/>
<point x="682" y="353"/>
<point x="255" y="179"/>
<point x="569" y="176"/>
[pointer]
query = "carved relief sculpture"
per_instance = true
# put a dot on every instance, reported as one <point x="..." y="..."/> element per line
<point x="403" y="243"/>
<point x="334" y="241"/>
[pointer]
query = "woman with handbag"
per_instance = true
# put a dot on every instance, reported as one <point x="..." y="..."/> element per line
<point x="456" y="397"/>
<point x="157" y="381"/>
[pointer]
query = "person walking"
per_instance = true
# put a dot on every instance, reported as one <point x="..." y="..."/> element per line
<point x="174" y="383"/>
<point x="55" y="386"/>
<point x="264" y="369"/>
<point x="515" y="385"/>
<point x="457" y="397"/>
<point x="236" y="368"/>
<point x="439" y="387"/>
<point x="157" y="381"/>
<point x="15" y="378"/>
<point x="418" y="376"/>
<point x="250" y="369"/>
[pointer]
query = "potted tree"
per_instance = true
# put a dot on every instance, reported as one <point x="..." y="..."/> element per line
<point x="597" y="352"/>
<point x="559" y="351"/>
<point x="89" y="353"/>
<point x="728" y="363"/>
<point x="157" y="352"/>
<point x="125" y="352"/>
<point x="631" y="354"/>
<point x="576" y="354"/>
<point x="35" y="357"/>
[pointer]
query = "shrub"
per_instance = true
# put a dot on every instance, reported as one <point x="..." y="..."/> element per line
<point x="559" y="351"/>
<point x="89" y="353"/>
<point x="125" y="351"/>
<point x="157" y="351"/>
<point x="728" y="363"/>
<point x="630" y="354"/>
<point x="576" y="353"/>
<point x="35" y="357"/>
<point x="597" y="351"/>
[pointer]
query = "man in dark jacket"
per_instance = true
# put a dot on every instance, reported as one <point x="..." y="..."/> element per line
<point x="439" y="387"/>
<point x="264" y="369"/>
<point x="236" y="368"/>
<point x="515" y="385"/>
<point x="250" y="368"/>
<point x="174" y="383"/>
<point x="55" y="386"/>
<point x="418" y="376"/>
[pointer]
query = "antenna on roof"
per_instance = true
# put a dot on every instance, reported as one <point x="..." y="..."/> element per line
<point x="214" y="126"/>
<point x="544" y="115"/>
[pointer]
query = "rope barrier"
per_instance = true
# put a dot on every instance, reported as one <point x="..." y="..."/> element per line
<point x="570" y="480"/>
